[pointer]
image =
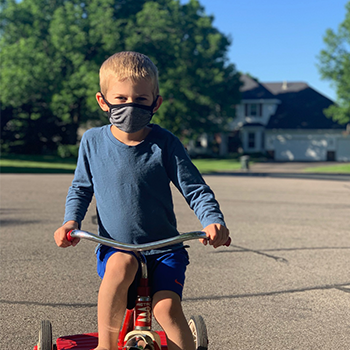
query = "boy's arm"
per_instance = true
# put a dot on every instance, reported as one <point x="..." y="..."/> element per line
<point x="198" y="195"/>
<point x="81" y="191"/>
<point x="78" y="199"/>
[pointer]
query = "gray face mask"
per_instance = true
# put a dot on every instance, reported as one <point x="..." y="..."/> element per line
<point x="130" y="117"/>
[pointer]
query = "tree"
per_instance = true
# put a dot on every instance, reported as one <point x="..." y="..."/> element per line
<point x="49" y="71"/>
<point x="199" y="87"/>
<point x="335" y="66"/>
<point x="51" y="51"/>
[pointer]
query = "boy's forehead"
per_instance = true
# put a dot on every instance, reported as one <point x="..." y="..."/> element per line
<point x="141" y="85"/>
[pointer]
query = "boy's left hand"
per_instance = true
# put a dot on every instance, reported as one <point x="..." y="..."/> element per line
<point x="217" y="235"/>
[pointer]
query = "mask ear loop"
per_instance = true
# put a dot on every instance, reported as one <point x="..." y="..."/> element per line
<point x="154" y="104"/>
<point x="104" y="99"/>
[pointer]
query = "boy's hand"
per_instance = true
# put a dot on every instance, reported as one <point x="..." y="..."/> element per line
<point x="217" y="235"/>
<point x="61" y="234"/>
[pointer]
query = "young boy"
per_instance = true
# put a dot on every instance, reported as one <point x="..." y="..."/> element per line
<point x="128" y="166"/>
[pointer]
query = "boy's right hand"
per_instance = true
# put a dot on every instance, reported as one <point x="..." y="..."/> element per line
<point x="61" y="234"/>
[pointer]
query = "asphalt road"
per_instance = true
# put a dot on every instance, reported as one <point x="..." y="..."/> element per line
<point x="283" y="284"/>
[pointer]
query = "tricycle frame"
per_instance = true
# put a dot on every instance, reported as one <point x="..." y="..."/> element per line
<point x="137" y="325"/>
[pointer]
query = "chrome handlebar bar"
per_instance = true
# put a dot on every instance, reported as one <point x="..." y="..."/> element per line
<point x="136" y="247"/>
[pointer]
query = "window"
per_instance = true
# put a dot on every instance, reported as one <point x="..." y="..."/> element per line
<point x="253" y="109"/>
<point x="251" y="140"/>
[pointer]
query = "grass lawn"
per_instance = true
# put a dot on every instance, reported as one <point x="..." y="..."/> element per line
<point x="51" y="164"/>
<point x="206" y="166"/>
<point x="36" y="164"/>
<point x="337" y="168"/>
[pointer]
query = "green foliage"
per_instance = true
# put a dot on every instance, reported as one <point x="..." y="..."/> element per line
<point x="68" y="151"/>
<point x="51" y="51"/>
<point x="199" y="87"/>
<point x="45" y="75"/>
<point x="335" y="66"/>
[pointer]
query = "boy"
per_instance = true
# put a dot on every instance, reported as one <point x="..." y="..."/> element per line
<point x="128" y="166"/>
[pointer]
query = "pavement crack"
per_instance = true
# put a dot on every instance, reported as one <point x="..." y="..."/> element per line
<point x="37" y="303"/>
<point x="345" y="287"/>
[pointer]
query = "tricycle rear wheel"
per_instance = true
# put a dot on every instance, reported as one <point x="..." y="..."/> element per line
<point x="45" y="336"/>
<point x="199" y="332"/>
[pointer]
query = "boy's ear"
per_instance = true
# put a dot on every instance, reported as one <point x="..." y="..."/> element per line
<point x="159" y="102"/>
<point x="101" y="102"/>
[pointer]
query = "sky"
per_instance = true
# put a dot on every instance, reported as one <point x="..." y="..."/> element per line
<point x="278" y="40"/>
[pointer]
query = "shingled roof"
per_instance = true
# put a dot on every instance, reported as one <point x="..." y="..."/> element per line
<point x="301" y="107"/>
<point x="253" y="90"/>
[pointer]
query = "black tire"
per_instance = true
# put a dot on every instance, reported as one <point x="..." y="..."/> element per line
<point x="45" y="336"/>
<point x="199" y="332"/>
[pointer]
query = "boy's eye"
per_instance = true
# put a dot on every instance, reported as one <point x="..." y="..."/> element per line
<point x="123" y="99"/>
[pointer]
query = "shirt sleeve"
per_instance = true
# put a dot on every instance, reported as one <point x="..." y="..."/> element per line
<point x="80" y="193"/>
<point x="188" y="180"/>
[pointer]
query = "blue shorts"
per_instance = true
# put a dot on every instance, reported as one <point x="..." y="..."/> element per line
<point x="166" y="271"/>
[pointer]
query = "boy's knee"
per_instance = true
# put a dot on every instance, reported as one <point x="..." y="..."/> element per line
<point x="122" y="267"/>
<point x="167" y="307"/>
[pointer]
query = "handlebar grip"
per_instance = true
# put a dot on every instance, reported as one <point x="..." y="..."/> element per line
<point x="227" y="244"/>
<point x="69" y="236"/>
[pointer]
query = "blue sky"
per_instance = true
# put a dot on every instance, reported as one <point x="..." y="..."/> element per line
<point x="278" y="40"/>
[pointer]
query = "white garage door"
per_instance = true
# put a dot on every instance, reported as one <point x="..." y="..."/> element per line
<point x="343" y="150"/>
<point x="300" y="150"/>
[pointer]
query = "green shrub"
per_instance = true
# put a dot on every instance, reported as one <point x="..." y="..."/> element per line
<point x="68" y="151"/>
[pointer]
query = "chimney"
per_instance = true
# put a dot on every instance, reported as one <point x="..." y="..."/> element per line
<point x="284" y="86"/>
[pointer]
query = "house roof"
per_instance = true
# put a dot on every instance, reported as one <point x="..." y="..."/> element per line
<point x="301" y="107"/>
<point x="278" y="88"/>
<point x="252" y="90"/>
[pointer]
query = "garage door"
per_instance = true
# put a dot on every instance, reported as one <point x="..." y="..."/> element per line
<point x="343" y="150"/>
<point x="300" y="150"/>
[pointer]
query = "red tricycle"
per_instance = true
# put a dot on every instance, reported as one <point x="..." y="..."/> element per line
<point x="136" y="332"/>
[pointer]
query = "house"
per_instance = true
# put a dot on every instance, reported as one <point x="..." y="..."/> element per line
<point x="286" y="121"/>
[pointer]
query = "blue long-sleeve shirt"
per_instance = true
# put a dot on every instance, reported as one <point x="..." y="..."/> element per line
<point x="131" y="185"/>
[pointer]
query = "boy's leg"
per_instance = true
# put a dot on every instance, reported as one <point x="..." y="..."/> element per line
<point x="168" y="312"/>
<point x="120" y="272"/>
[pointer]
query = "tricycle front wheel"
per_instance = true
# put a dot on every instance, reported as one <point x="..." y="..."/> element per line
<point x="45" y="336"/>
<point x="199" y="332"/>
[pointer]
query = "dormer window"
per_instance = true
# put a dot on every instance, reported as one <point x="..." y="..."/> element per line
<point x="253" y="109"/>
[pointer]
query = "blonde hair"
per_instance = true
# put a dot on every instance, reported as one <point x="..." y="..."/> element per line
<point x="129" y="65"/>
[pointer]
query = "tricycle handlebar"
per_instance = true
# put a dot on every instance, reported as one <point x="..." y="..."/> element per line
<point x="137" y="247"/>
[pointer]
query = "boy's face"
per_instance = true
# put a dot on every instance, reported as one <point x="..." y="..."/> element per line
<point x="126" y="91"/>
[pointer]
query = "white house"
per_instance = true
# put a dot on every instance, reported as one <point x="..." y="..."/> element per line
<point x="286" y="120"/>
